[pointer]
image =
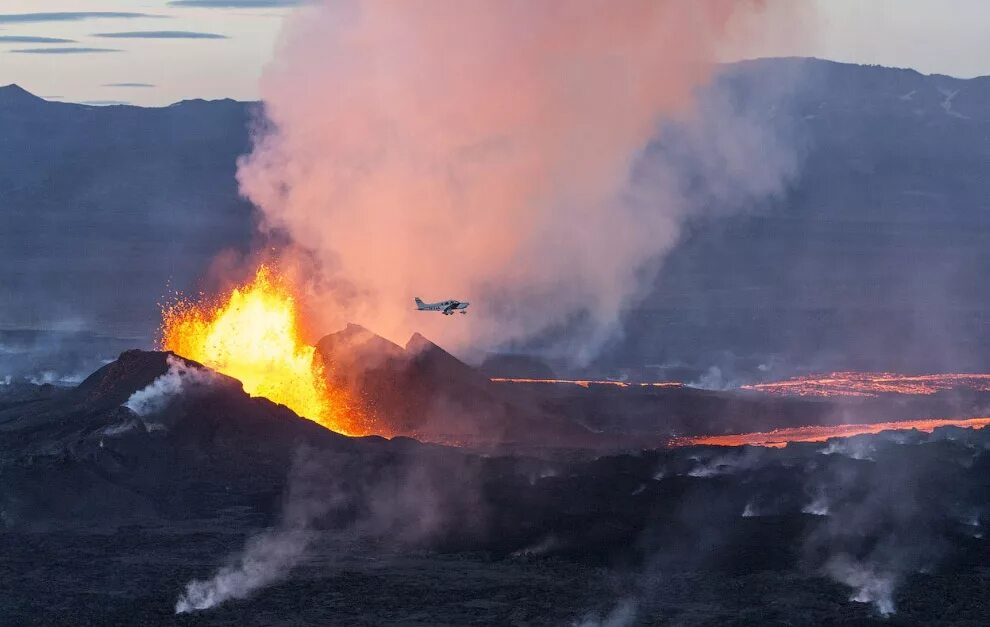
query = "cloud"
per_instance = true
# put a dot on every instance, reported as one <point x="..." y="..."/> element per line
<point x="64" y="50"/>
<point x="235" y="4"/>
<point x="68" y="16"/>
<point x="500" y="173"/>
<point x="104" y="103"/>
<point x="27" y="39"/>
<point x="160" y="34"/>
<point x="142" y="85"/>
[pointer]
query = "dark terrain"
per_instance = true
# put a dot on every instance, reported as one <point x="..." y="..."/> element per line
<point x="108" y="513"/>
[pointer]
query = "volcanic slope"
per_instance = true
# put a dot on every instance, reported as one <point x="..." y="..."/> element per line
<point x="155" y="471"/>
<point x="425" y="392"/>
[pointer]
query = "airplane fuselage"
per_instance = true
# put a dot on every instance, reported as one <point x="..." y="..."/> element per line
<point x="446" y="307"/>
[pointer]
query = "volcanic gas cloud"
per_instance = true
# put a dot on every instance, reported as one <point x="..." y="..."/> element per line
<point x="483" y="150"/>
<point x="480" y="149"/>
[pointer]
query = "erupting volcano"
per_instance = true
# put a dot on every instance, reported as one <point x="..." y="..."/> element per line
<point x="252" y="333"/>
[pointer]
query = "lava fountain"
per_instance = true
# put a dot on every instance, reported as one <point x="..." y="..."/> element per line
<point x="252" y="333"/>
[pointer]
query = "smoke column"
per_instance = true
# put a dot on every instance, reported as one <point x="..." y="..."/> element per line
<point x="478" y="150"/>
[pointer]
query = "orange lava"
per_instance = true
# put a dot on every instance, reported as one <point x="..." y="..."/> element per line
<point x="252" y="334"/>
<point x="872" y="384"/>
<point x="587" y="383"/>
<point x="780" y="437"/>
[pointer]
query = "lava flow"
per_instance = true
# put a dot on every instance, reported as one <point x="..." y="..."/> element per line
<point x="872" y="384"/>
<point x="588" y="382"/>
<point x="820" y="433"/>
<point x="252" y="334"/>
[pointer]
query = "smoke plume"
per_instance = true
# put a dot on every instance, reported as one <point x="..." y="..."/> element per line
<point x="269" y="556"/>
<point x="484" y="150"/>
<point x="179" y="377"/>
<point x="405" y="499"/>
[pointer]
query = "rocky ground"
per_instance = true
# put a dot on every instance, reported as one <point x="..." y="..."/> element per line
<point x="155" y="475"/>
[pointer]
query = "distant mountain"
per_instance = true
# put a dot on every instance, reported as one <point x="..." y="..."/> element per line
<point x="104" y="208"/>
<point x="874" y="256"/>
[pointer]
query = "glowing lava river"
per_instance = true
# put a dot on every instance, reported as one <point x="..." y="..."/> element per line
<point x="873" y="384"/>
<point x="781" y="437"/>
<point x="586" y="383"/>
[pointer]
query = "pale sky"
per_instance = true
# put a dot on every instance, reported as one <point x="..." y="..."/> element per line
<point x="218" y="51"/>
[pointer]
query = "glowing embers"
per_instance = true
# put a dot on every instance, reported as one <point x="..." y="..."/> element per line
<point x="588" y="383"/>
<point x="252" y="334"/>
<point x="780" y="437"/>
<point x="871" y="384"/>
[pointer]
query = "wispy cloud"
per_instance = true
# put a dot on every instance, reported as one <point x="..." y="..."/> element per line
<point x="128" y="85"/>
<point x="27" y="39"/>
<point x="160" y="34"/>
<point x="104" y="103"/>
<point x="64" y="50"/>
<point x="68" y="16"/>
<point x="236" y="4"/>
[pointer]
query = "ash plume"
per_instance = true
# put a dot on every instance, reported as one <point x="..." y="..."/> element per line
<point x="486" y="151"/>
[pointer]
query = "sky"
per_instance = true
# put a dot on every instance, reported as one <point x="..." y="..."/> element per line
<point x="170" y="50"/>
<point x="182" y="52"/>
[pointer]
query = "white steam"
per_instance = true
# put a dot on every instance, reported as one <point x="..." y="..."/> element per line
<point x="271" y="555"/>
<point x="179" y="377"/>
<point x="266" y="559"/>
<point x="493" y="151"/>
<point x="622" y="615"/>
<point x="818" y="505"/>
<point x="869" y="584"/>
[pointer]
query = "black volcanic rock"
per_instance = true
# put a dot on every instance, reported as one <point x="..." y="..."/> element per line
<point x="706" y="534"/>
<point x="61" y="455"/>
<point x="113" y="384"/>
<point x="425" y="392"/>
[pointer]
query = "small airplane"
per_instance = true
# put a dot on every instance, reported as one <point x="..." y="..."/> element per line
<point x="447" y="307"/>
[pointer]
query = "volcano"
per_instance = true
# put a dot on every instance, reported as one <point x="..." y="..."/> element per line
<point x="423" y="391"/>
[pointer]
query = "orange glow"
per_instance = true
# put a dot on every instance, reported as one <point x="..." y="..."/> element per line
<point x="252" y="334"/>
<point x="872" y="384"/>
<point x="586" y="383"/>
<point x="780" y="437"/>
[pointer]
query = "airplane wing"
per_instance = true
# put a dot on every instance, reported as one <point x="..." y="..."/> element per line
<point x="449" y="309"/>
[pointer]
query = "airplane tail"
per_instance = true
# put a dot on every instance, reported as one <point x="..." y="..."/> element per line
<point x="419" y="303"/>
